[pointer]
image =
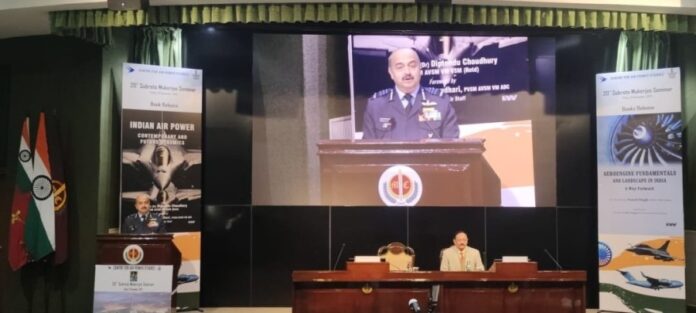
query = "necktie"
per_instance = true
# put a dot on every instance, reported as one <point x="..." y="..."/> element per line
<point x="462" y="260"/>
<point x="142" y="218"/>
<point x="408" y="97"/>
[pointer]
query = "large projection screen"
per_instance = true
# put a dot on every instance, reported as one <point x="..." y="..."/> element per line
<point x="500" y="89"/>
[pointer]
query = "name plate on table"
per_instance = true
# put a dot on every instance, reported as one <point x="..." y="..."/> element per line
<point x="367" y="259"/>
<point x="515" y="259"/>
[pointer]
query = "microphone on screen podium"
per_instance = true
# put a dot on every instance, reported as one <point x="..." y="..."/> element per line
<point x="413" y="305"/>
<point x="427" y="124"/>
<point x="558" y="266"/>
<point x="338" y="258"/>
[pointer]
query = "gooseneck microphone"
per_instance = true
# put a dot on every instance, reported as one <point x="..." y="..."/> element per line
<point x="558" y="266"/>
<point x="413" y="305"/>
<point x="338" y="258"/>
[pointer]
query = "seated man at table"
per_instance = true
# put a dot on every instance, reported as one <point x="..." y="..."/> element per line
<point x="460" y="257"/>
<point x="143" y="221"/>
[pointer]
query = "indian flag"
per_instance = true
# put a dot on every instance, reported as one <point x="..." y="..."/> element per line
<point x="39" y="229"/>
<point x="17" y="254"/>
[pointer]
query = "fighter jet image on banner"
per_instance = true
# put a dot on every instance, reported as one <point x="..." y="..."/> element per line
<point x="649" y="282"/>
<point x="659" y="253"/>
<point x="163" y="164"/>
<point x="186" y="278"/>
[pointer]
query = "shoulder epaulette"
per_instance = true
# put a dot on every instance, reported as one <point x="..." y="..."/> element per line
<point x="381" y="93"/>
<point x="435" y="91"/>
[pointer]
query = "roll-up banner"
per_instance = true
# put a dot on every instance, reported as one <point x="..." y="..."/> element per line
<point x="161" y="125"/>
<point x="639" y="190"/>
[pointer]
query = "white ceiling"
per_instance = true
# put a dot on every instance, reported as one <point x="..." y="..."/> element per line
<point x="30" y="17"/>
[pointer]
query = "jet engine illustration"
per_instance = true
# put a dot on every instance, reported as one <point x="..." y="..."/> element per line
<point x="644" y="140"/>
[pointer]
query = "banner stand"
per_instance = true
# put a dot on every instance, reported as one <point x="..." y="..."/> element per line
<point x="639" y="189"/>
<point x="161" y="141"/>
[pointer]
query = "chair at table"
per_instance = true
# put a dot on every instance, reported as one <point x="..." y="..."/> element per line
<point x="399" y="256"/>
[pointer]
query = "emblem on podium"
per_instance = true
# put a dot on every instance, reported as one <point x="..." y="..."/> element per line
<point x="400" y="185"/>
<point x="133" y="254"/>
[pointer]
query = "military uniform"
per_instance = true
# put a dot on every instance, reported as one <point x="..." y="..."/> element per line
<point x="430" y="116"/>
<point x="135" y="224"/>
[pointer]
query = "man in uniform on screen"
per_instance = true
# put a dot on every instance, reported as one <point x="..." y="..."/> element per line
<point x="408" y="111"/>
<point x="143" y="221"/>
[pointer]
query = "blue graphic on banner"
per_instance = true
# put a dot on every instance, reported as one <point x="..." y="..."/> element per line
<point x="605" y="254"/>
<point x="641" y="140"/>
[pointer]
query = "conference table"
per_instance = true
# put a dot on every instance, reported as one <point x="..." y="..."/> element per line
<point x="505" y="288"/>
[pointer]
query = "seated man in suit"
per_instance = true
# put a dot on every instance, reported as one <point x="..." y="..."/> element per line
<point x="143" y="221"/>
<point x="460" y="257"/>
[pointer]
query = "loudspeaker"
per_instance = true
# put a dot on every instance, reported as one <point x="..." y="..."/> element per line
<point x="127" y="5"/>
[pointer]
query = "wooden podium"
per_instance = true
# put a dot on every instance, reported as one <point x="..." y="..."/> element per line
<point x="158" y="249"/>
<point x="506" y="288"/>
<point x="453" y="171"/>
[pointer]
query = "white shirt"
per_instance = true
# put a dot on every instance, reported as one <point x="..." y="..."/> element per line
<point x="401" y="95"/>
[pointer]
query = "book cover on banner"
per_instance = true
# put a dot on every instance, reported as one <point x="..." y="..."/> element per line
<point x="640" y="193"/>
<point x="161" y="146"/>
